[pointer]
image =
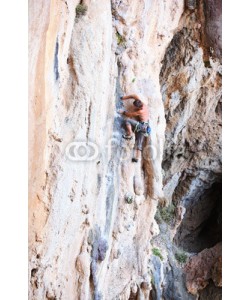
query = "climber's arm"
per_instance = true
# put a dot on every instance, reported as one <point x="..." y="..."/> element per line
<point x="133" y="96"/>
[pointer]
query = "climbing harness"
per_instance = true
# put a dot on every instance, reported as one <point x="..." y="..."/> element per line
<point x="143" y="127"/>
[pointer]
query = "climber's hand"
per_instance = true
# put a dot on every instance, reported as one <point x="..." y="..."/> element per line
<point x="121" y="111"/>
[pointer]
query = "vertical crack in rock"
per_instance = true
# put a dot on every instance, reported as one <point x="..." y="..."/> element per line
<point x="156" y="280"/>
<point x="99" y="249"/>
<point x="56" y="60"/>
<point x="113" y="180"/>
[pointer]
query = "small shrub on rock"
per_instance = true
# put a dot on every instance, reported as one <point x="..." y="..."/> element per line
<point x="120" y="39"/>
<point x="81" y="10"/>
<point x="168" y="213"/>
<point x="181" y="257"/>
<point x="157" y="252"/>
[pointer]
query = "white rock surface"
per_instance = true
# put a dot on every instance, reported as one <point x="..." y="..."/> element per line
<point x="77" y="72"/>
<point x="85" y="240"/>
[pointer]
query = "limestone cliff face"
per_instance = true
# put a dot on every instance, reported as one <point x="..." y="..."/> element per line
<point x="92" y="227"/>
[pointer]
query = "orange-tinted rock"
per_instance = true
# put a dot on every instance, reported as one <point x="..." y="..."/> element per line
<point x="202" y="267"/>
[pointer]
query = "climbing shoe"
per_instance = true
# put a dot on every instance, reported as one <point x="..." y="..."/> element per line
<point x="127" y="137"/>
<point x="134" y="159"/>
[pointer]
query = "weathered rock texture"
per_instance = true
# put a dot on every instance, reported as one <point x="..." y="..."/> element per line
<point x="86" y="241"/>
<point x="203" y="267"/>
<point x="191" y="88"/>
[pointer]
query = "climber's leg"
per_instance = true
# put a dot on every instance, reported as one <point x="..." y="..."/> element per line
<point x="139" y="138"/>
<point x="129" y="130"/>
<point x="136" y="156"/>
<point x="129" y="125"/>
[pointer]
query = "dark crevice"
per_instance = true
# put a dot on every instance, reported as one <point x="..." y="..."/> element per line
<point x="133" y="296"/>
<point x="211" y="292"/>
<point x="56" y="60"/>
<point x="201" y="226"/>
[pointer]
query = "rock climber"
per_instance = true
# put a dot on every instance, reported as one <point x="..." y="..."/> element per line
<point x="137" y="121"/>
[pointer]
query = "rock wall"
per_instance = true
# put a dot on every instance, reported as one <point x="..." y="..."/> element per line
<point x="86" y="240"/>
<point x="191" y="88"/>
